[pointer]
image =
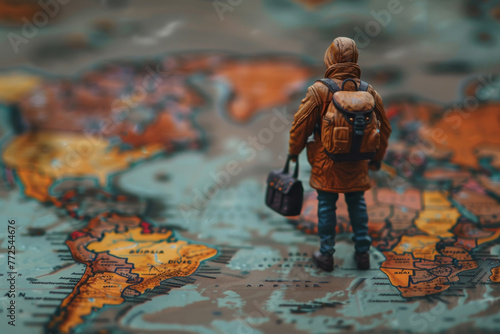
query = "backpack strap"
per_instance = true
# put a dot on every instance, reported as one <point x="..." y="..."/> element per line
<point x="363" y="86"/>
<point x="332" y="86"/>
<point x="351" y="80"/>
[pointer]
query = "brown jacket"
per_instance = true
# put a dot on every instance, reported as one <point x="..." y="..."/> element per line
<point x="339" y="177"/>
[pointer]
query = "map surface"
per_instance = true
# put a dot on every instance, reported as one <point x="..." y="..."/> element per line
<point x="135" y="185"/>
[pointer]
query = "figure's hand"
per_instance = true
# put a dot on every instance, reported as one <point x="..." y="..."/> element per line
<point x="374" y="165"/>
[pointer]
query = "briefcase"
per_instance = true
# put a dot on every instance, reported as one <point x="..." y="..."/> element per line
<point x="285" y="193"/>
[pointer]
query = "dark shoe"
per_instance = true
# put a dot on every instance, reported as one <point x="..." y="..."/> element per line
<point x="363" y="260"/>
<point x="325" y="262"/>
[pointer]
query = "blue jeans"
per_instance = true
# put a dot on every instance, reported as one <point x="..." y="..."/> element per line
<point x="327" y="220"/>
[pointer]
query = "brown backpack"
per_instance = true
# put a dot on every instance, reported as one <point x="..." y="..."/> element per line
<point x="349" y="129"/>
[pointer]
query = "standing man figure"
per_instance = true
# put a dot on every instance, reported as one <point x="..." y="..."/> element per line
<point x="335" y="171"/>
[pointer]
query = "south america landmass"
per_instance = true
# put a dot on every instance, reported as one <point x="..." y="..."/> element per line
<point x="125" y="257"/>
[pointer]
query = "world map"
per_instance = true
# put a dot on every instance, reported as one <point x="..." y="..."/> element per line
<point x="137" y="191"/>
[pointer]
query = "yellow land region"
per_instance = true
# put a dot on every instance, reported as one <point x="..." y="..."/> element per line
<point x="436" y="220"/>
<point x="39" y="158"/>
<point x="435" y="199"/>
<point x="15" y="85"/>
<point x="494" y="234"/>
<point x="155" y="256"/>
<point x="421" y="246"/>
<point x="398" y="277"/>
<point x="438" y="216"/>
<point x="100" y="289"/>
<point x="495" y="275"/>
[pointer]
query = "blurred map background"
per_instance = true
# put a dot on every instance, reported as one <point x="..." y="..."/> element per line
<point x="136" y="137"/>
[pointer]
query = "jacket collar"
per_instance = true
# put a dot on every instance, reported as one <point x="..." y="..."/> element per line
<point x="343" y="71"/>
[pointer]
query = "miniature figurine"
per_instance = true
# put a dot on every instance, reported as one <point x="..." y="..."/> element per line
<point x="347" y="120"/>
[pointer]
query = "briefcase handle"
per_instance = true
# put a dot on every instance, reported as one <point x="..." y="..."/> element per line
<point x="287" y="165"/>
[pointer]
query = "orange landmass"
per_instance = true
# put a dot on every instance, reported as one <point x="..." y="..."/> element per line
<point x="14" y="86"/>
<point x="398" y="277"/>
<point x="398" y="261"/>
<point x="140" y="105"/>
<point x="165" y="130"/>
<point x="416" y="265"/>
<point x="41" y="158"/>
<point x="437" y="216"/>
<point x="125" y="257"/>
<point x="468" y="134"/>
<point x="437" y="222"/>
<point x="96" y="291"/>
<point x="35" y="184"/>
<point x="415" y="277"/>
<point x="470" y="235"/>
<point x="260" y="84"/>
<point x="495" y="275"/>
<point x="15" y="11"/>
<point x="436" y="200"/>
<point x="421" y="246"/>
<point x="462" y="135"/>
